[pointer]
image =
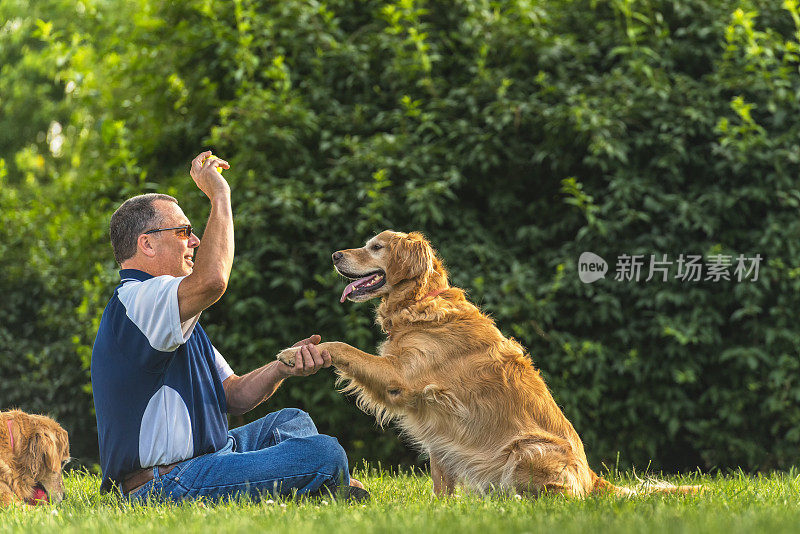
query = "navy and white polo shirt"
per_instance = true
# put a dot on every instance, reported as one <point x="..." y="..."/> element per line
<point x="157" y="382"/>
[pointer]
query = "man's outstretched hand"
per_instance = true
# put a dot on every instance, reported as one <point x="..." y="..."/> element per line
<point x="307" y="359"/>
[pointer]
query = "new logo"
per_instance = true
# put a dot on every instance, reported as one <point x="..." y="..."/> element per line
<point x="591" y="267"/>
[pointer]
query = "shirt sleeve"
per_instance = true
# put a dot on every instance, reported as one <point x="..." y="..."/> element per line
<point x="223" y="369"/>
<point x="152" y="306"/>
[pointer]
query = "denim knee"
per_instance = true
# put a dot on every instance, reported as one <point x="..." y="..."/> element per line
<point x="330" y="455"/>
<point x="293" y="423"/>
<point x="296" y="415"/>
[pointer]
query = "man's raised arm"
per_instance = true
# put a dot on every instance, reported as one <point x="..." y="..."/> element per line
<point x="214" y="257"/>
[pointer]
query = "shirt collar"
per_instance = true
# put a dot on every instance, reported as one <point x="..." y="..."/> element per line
<point x="134" y="274"/>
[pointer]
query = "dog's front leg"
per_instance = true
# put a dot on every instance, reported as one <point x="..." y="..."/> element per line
<point x="376" y="374"/>
<point x="339" y="353"/>
<point x="343" y="355"/>
<point x="443" y="482"/>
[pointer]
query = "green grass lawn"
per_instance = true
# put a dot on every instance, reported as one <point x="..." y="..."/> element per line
<point x="404" y="502"/>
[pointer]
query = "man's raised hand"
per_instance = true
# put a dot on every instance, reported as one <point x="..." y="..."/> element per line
<point x="206" y="176"/>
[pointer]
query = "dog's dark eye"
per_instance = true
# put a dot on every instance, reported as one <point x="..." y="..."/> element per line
<point x="376" y="246"/>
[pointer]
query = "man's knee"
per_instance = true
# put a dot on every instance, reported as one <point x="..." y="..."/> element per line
<point x="293" y="423"/>
<point x="330" y="454"/>
<point x="296" y="416"/>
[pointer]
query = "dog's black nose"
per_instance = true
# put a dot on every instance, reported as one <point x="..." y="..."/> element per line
<point x="337" y="256"/>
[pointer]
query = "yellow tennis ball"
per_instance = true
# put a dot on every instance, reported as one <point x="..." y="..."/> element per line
<point x="219" y="169"/>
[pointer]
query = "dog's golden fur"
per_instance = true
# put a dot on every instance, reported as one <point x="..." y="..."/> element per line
<point x="41" y="447"/>
<point x="462" y="391"/>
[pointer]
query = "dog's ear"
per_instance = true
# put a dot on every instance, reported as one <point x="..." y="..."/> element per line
<point x="32" y="459"/>
<point x="411" y="257"/>
<point x="62" y="446"/>
<point x="42" y="455"/>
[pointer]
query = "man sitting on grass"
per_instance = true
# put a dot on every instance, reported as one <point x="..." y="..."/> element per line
<point x="161" y="389"/>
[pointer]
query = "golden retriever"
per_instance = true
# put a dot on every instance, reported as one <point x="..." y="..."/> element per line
<point x="462" y="391"/>
<point x="33" y="451"/>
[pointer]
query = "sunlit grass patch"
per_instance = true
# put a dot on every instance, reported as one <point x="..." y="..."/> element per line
<point x="403" y="502"/>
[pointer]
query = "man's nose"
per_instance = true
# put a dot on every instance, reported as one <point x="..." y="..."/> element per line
<point x="337" y="256"/>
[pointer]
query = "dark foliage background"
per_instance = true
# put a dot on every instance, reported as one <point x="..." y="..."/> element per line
<point x="516" y="135"/>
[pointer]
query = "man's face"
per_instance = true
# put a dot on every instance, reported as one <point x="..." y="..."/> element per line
<point x="174" y="255"/>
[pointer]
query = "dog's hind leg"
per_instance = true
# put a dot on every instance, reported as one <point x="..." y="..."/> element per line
<point x="543" y="463"/>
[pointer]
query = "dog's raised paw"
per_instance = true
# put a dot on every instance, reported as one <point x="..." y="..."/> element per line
<point x="286" y="356"/>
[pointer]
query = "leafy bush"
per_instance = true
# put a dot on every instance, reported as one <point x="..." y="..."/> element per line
<point x="516" y="136"/>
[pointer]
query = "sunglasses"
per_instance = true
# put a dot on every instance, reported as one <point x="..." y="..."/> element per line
<point x="184" y="231"/>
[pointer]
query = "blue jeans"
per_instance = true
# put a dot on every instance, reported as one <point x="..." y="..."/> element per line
<point x="279" y="454"/>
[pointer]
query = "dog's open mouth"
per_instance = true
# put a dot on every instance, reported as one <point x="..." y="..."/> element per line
<point x="361" y="285"/>
<point x="40" y="495"/>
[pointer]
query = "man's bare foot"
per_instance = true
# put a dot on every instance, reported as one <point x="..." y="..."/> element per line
<point x="356" y="484"/>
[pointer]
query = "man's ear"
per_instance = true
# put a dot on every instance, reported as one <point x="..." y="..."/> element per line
<point x="145" y="245"/>
<point x="410" y="257"/>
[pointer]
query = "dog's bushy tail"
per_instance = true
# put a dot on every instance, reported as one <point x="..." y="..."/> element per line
<point x="648" y="486"/>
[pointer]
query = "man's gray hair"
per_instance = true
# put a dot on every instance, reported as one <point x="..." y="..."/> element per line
<point x="134" y="217"/>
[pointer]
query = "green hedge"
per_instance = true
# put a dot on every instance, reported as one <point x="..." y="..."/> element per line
<point x="516" y="135"/>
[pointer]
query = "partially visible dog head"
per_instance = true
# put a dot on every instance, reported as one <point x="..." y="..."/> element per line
<point x="386" y="261"/>
<point x="41" y="449"/>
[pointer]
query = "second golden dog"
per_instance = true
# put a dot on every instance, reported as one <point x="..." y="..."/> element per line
<point x="33" y="451"/>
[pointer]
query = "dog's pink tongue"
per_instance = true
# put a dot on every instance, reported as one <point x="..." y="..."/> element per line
<point x="353" y="285"/>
